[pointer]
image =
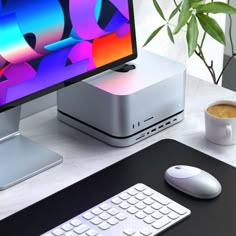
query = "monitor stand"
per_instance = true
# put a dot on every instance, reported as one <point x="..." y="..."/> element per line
<point x="20" y="158"/>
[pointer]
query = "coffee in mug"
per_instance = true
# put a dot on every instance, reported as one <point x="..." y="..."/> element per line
<point x="222" y="111"/>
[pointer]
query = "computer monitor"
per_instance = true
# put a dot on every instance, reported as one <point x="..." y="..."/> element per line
<point x="46" y="45"/>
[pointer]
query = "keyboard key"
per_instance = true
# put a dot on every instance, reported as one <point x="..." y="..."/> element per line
<point x="58" y="232"/>
<point x="148" y="201"/>
<point x="141" y="215"/>
<point x="104" y="216"/>
<point x="132" y="210"/>
<point x="105" y="207"/>
<point x="88" y="216"/>
<point x="148" y="192"/>
<point x="96" y="221"/>
<point x="148" y="210"/>
<point x="67" y="227"/>
<point x="161" y="223"/>
<point x="124" y="205"/>
<point x="140" y="187"/>
<point x="104" y="226"/>
<point x="157" y="215"/>
<point x="116" y="200"/>
<point x="76" y="222"/>
<point x="113" y="211"/>
<point x="129" y="231"/>
<point x="96" y="211"/>
<point x="113" y="221"/>
<point x="146" y="231"/>
<point x="177" y="208"/>
<point x="124" y="196"/>
<point x="149" y="220"/>
<point x="165" y="210"/>
<point x="173" y="215"/>
<point x="160" y="198"/>
<point x="140" y="205"/>
<point x="92" y="232"/>
<point x="81" y="229"/>
<point x="140" y="196"/>
<point x="121" y="216"/>
<point x="132" y="191"/>
<point x="133" y="201"/>
<point x="156" y="206"/>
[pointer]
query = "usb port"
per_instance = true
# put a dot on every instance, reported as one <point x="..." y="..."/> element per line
<point x="153" y="130"/>
<point x="161" y="126"/>
<point x="168" y="123"/>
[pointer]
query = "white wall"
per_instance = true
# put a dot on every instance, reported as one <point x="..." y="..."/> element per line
<point x="147" y="20"/>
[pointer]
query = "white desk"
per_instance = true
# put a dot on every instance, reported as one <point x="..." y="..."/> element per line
<point x="84" y="155"/>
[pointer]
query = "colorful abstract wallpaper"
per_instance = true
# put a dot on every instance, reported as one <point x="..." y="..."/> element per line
<point x="46" y="42"/>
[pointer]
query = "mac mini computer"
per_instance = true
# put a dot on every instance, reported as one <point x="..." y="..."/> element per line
<point x="122" y="108"/>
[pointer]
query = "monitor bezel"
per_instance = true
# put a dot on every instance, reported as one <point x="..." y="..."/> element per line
<point x="84" y="76"/>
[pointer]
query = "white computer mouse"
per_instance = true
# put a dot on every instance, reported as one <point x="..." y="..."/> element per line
<point x="193" y="181"/>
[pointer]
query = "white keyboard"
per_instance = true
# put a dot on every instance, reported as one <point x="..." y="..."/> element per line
<point x="137" y="211"/>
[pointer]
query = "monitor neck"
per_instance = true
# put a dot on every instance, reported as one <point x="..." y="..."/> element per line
<point x="9" y="121"/>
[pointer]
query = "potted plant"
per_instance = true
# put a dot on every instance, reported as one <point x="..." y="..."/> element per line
<point x="196" y="14"/>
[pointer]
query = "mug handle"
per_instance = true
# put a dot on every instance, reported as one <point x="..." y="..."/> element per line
<point x="229" y="133"/>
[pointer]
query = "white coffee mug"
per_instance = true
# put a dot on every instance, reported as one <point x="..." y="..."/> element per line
<point x="220" y="130"/>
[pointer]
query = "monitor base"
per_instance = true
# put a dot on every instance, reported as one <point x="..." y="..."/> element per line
<point x="20" y="158"/>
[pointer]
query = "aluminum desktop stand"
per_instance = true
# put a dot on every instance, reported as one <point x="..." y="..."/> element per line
<point x="20" y="158"/>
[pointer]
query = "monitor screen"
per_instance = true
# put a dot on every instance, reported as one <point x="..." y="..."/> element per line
<point x="48" y="44"/>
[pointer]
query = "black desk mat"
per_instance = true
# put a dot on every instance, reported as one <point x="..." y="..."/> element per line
<point x="215" y="217"/>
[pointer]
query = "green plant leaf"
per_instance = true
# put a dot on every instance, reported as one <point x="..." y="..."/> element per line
<point x="211" y="27"/>
<point x="192" y="35"/>
<point x="154" y="33"/>
<point x="183" y="16"/>
<point x="173" y="13"/>
<point x="158" y="8"/>
<point x="216" y="7"/>
<point x="170" y="34"/>
<point x="196" y="4"/>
